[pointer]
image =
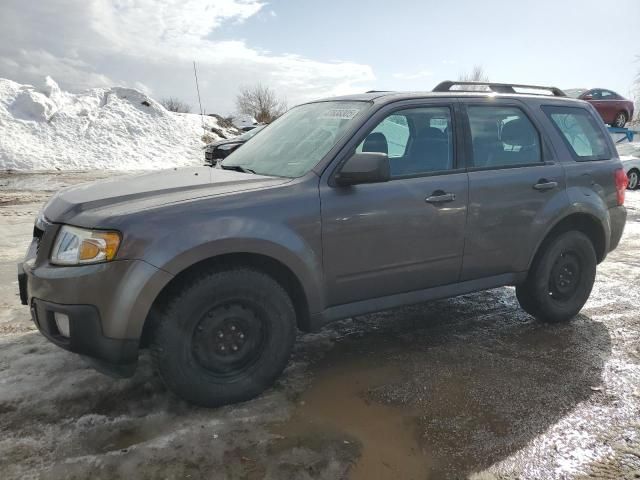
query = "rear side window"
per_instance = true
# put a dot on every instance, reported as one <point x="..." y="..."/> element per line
<point x="580" y="131"/>
<point x="502" y="137"/>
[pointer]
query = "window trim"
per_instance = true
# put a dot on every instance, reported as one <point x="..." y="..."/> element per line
<point x="577" y="158"/>
<point x="469" y="157"/>
<point x="377" y="117"/>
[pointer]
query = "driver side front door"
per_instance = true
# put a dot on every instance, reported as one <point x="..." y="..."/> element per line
<point x="406" y="234"/>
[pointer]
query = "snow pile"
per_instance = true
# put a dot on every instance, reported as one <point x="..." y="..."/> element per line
<point x="103" y="128"/>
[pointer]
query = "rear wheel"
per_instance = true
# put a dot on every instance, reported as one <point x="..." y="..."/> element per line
<point x="621" y="120"/>
<point x="633" y="176"/>
<point x="224" y="337"/>
<point x="560" y="279"/>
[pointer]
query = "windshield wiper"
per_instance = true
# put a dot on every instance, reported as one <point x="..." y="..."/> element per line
<point x="237" y="168"/>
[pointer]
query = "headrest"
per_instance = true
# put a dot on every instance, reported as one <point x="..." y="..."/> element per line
<point x="376" y="142"/>
<point x="519" y="132"/>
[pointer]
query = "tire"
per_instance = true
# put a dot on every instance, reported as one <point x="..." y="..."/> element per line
<point x="560" y="279"/>
<point x="620" y="120"/>
<point x="634" y="179"/>
<point x="224" y="337"/>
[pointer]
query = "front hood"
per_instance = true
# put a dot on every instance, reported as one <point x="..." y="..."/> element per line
<point x="229" y="141"/>
<point x="138" y="192"/>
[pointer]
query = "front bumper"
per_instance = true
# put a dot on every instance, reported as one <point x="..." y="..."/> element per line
<point x="85" y="335"/>
<point x="107" y="305"/>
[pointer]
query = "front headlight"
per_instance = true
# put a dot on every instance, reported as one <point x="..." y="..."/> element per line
<point x="78" y="246"/>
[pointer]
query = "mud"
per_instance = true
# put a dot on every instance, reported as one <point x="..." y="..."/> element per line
<point x="470" y="387"/>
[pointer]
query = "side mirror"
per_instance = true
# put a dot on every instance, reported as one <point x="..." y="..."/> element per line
<point x="366" y="167"/>
<point x="587" y="97"/>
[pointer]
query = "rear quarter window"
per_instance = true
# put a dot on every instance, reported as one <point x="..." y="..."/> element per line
<point x="580" y="131"/>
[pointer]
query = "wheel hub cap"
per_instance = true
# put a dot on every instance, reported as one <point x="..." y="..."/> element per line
<point x="227" y="339"/>
<point x="565" y="276"/>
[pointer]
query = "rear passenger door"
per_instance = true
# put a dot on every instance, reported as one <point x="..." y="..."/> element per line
<point x="512" y="181"/>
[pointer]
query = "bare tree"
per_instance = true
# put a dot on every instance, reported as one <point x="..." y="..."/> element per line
<point x="261" y="102"/>
<point x="175" y="105"/>
<point x="477" y="74"/>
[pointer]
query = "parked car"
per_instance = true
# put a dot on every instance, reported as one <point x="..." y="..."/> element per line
<point x="630" y="157"/>
<point x="216" y="151"/>
<point x="341" y="207"/>
<point x="614" y="109"/>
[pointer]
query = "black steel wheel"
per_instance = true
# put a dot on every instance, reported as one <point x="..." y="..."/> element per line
<point x="560" y="279"/>
<point x="224" y="337"/>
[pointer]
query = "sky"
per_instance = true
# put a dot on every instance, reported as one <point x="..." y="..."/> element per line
<point x="306" y="49"/>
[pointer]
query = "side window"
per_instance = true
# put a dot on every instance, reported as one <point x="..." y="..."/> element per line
<point x="580" y="131"/>
<point x="607" y="95"/>
<point x="394" y="130"/>
<point x="417" y="140"/>
<point x="502" y="136"/>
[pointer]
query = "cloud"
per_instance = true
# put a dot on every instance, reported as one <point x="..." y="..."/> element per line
<point x="412" y="75"/>
<point x="152" y="43"/>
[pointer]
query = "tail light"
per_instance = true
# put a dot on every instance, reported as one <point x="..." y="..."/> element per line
<point x="621" y="184"/>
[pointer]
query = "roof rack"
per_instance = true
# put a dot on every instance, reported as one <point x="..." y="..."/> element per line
<point x="378" y="91"/>
<point x="497" y="87"/>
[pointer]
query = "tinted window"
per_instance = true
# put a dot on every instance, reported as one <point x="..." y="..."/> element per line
<point x="502" y="136"/>
<point x="580" y="131"/>
<point x="417" y="140"/>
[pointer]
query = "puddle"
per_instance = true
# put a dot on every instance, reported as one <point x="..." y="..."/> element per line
<point x="447" y="399"/>
<point x="338" y="401"/>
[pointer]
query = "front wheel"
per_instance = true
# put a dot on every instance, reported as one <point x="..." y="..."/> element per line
<point x="621" y="120"/>
<point x="633" y="177"/>
<point x="224" y="337"/>
<point x="561" y="278"/>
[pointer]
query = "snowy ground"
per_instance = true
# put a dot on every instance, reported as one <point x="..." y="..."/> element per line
<point x="470" y="386"/>
<point x="117" y="128"/>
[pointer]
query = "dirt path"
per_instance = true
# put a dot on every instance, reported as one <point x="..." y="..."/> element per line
<point x="467" y="387"/>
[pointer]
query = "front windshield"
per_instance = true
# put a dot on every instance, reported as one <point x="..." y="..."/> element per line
<point x="298" y="140"/>
<point x="247" y="135"/>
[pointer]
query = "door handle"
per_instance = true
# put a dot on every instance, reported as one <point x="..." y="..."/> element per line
<point x="440" y="197"/>
<point x="544" y="184"/>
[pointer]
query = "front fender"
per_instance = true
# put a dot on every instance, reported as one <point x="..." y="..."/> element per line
<point x="260" y="238"/>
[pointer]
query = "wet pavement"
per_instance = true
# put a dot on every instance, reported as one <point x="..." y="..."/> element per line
<point x="470" y="387"/>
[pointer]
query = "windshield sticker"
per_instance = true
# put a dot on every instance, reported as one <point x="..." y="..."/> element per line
<point x="340" y="113"/>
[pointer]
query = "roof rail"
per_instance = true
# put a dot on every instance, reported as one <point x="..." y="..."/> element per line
<point x="378" y="91"/>
<point x="497" y="87"/>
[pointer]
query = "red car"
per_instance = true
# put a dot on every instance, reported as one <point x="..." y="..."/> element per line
<point x="614" y="109"/>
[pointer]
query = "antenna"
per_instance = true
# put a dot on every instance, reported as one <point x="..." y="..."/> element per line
<point x="195" y="73"/>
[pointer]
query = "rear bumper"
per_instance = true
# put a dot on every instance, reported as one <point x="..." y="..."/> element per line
<point x="618" y="217"/>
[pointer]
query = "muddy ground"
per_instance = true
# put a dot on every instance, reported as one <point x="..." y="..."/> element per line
<point x="467" y="387"/>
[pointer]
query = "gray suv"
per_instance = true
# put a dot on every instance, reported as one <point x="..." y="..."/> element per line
<point x="341" y="207"/>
